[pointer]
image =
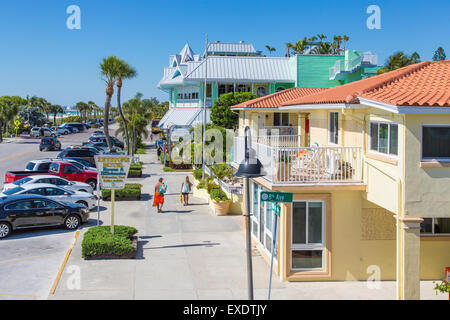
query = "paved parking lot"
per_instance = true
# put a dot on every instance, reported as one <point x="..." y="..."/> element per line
<point x="30" y="259"/>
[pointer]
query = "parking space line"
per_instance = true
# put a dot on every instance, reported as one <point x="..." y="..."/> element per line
<point x="17" y="155"/>
<point x="58" y="276"/>
<point x="29" y="258"/>
<point x="19" y="295"/>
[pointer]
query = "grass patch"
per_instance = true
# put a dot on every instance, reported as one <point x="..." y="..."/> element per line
<point x="168" y="169"/>
<point x="99" y="240"/>
<point x="141" y="151"/>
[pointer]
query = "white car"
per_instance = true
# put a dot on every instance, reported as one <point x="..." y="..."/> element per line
<point x="42" y="132"/>
<point x="54" y="193"/>
<point x="63" y="130"/>
<point x="49" y="179"/>
<point x="38" y="165"/>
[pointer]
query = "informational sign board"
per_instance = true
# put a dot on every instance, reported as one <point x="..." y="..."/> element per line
<point x="276" y="196"/>
<point x="447" y="275"/>
<point x="113" y="169"/>
<point x="177" y="132"/>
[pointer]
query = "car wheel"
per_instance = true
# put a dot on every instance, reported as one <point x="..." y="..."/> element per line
<point x="92" y="183"/>
<point x="5" y="229"/>
<point x="72" y="222"/>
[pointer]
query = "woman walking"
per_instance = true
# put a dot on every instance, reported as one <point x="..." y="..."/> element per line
<point x="185" y="189"/>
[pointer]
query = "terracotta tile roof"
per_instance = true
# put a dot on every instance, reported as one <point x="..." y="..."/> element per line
<point x="277" y="99"/>
<point x="422" y="84"/>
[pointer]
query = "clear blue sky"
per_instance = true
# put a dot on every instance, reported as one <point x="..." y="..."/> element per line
<point x="40" y="56"/>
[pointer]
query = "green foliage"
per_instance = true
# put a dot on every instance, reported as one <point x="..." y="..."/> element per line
<point x="222" y="171"/>
<point x="141" y="151"/>
<point x="399" y="60"/>
<point x="443" y="287"/>
<point x="203" y="183"/>
<point x="215" y="195"/>
<point x="439" y="54"/>
<point x="211" y="185"/>
<point x="168" y="169"/>
<point x="32" y="116"/>
<point x="197" y="174"/>
<point x="221" y="113"/>
<point x="133" y="186"/>
<point x="128" y="193"/>
<point x="71" y="119"/>
<point x="135" y="173"/>
<point x="99" y="240"/>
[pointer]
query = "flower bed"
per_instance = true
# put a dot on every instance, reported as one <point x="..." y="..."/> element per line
<point x="100" y="243"/>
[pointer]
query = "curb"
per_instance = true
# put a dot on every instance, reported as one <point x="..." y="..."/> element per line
<point x="58" y="276"/>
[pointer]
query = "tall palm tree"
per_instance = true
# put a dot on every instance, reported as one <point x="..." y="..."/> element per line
<point x="345" y="38"/>
<point x="415" y="57"/>
<point x="82" y="108"/>
<point x="55" y="109"/>
<point x="289" y="46"/>
<point x="109" y="70"/>
<point x="125" y="72"/>
<point x="396" y="61"/>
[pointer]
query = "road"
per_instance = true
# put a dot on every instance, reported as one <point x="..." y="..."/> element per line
<point x="30" y="259"/>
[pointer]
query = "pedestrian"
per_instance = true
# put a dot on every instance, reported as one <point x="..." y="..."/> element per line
<point x="185" y="189"/>
<point x="160" y="190"/>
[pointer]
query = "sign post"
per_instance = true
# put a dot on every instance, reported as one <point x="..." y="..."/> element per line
<point x="17" y="126"/>
<point x="275" y="198"/>
<point x="113" y="170"/>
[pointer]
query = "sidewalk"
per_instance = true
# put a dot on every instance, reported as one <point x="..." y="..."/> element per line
<point x="189" y="253"/>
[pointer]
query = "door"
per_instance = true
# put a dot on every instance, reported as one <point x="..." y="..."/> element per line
<point x="58" y="194"/>
<point x="43" y="213"/>
<point x="21" y="214"/>
<point x="70" y="172"/>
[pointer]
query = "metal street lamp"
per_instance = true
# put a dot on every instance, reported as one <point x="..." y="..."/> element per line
<point x="249" y="169"/>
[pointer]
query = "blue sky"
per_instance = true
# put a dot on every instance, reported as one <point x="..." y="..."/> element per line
<point x="40" y="56"/>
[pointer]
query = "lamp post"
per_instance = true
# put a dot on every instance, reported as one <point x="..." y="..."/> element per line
<point x="249" y="169"/>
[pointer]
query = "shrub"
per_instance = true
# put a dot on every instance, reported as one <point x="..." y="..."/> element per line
<point x="215" y="195"/>
<point x="133" y="186"/>
<point x="99" y="240"/>
<point x="197" y="174"/>
<point x="141" y="151"/>
<point x="211" y="185"/>
<point x="134" y="172"/>
<point x="127" y="193"/>
<point x="168" y="169"/>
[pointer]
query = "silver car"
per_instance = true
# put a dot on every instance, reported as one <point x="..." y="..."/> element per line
<point x="49" y="179"/>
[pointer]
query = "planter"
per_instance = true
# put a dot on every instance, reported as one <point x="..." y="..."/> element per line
<point x="221" y="208"/>
<point x="131" y="255"/>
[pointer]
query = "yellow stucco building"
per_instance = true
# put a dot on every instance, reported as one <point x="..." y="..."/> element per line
<point x="369" y="166"/>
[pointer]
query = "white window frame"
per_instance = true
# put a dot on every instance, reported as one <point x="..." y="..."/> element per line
<point x="433" y="234"/>
<point x="389" y="124"/>
<point x="312" y="246"/>
<point x="421" y="142"/>
<point x="329" y="128"/>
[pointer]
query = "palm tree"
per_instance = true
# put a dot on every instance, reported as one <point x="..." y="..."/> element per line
<point x="288" y="47"/>
<point x="125" y="72"/>
<point x="321" y="37"/>
<point x="109" y="69"/>
<point x="55" y="109"/>
<point x="439" y="54"/>
<point x="396" y="61"/>
<point x="345" y="38"/>
<point x="415" y="57"/>
<point x="270" y="49"/>
<point x="82" y="108"/>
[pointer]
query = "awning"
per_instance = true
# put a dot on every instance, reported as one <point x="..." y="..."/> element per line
<point x="183" y="117"/>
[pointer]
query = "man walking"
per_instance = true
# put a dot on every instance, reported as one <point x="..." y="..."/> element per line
<point x="160" y="190"/>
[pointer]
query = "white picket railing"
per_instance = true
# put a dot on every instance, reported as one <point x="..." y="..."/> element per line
<point x="298" y="165"/>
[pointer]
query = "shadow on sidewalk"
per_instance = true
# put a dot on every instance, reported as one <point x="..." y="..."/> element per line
<point x="207" y="244"/>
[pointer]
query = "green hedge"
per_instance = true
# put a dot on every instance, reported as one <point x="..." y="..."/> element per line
<point x="197" y="174"/>
<point x="141" y="151"/>
<point x="99" y="240"/>
<point x="131" y="190"/>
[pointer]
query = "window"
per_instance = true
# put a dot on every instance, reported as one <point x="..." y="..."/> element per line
<point x="13" y="191"/>
<point x="54" y="167"/>
<point x="280" y="119"/>
<point x="280" y="89"/>
<point x="334" y="127"/>
<point x="20" y="205"/>
<point x="436" y="142"/>
<point x="261" y="91"/>
<point x="30" y="166"/>
<point x="384" y="138"/>
<point x="59" y="182"/>
<point x="307" y="235"/>
<point x="54" y="192"/>
<point x="22" y="181"/>
<point x="44" y="166"/>
<point x="435" y="226"/>
<point x="70" y="169"/>
<point x="38" y="191"/>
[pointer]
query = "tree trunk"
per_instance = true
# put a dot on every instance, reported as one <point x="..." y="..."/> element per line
<point x="1" y="133"/>
<point x="133" y="147"/>
<point x="109" y="93"/>
<point x="54" y="119"/>
<point x="124" y="120"/>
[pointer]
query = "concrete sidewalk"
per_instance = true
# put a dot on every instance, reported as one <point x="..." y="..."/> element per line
<point x="189" y="253"/>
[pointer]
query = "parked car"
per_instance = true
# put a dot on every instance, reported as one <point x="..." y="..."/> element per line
<point x="80" y="126"/>
<point x="49" y="179"/>
<point x="98" y="133"/>
<point x="29" y="211"/>
<point x="38" y="165"/>
<point x="41" y="132"/>
<point x="77" y="164"/>
<point x="64" y="130"/>
<point x="48" y="144"/>
<point x="61" y="169"/>
<point x="54" y="193"/>
<point x="86" y="154"/>
<point x="93" y="139"/>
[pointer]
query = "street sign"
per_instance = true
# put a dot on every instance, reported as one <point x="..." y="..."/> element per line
<point x="276" y="209"/>
<point x="276" y="196"/>
<point x="113" y="169"/>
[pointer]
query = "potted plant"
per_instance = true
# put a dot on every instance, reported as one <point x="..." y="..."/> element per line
<point x="218" y="197"/>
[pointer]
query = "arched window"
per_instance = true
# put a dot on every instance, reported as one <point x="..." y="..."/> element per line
<point x="280" y="89"/>
<point x="261" y="91"/>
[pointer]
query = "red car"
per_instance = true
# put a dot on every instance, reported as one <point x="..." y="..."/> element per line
<point x="61" y="169"/>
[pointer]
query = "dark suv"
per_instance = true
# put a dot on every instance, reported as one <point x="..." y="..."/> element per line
<point x="86" y="154"/>
<point x="30" y="211"/>
<point x="50" y="143"/>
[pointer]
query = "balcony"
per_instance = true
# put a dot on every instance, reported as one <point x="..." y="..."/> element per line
<point x="342" y="67"/>
<point x="284" y="163"/>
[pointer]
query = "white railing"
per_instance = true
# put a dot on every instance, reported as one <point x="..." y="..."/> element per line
<point x="279" y="141"/>
<point x="367" y="58"/>
<point x="279" y="130"/>
<point x="298" y="165"/>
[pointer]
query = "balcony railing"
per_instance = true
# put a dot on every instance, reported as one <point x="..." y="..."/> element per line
<point x="280" y="130"/>
<point x="291" y="141"/>
<point x="299" y="165"/>
<point x="341" y="66"/>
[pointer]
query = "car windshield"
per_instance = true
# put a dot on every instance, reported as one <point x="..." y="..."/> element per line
<point x="54" y="167"/>
<point x="22" y="181"/>
<point x="30" y="166"/>
<point x="13" y="191"/>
